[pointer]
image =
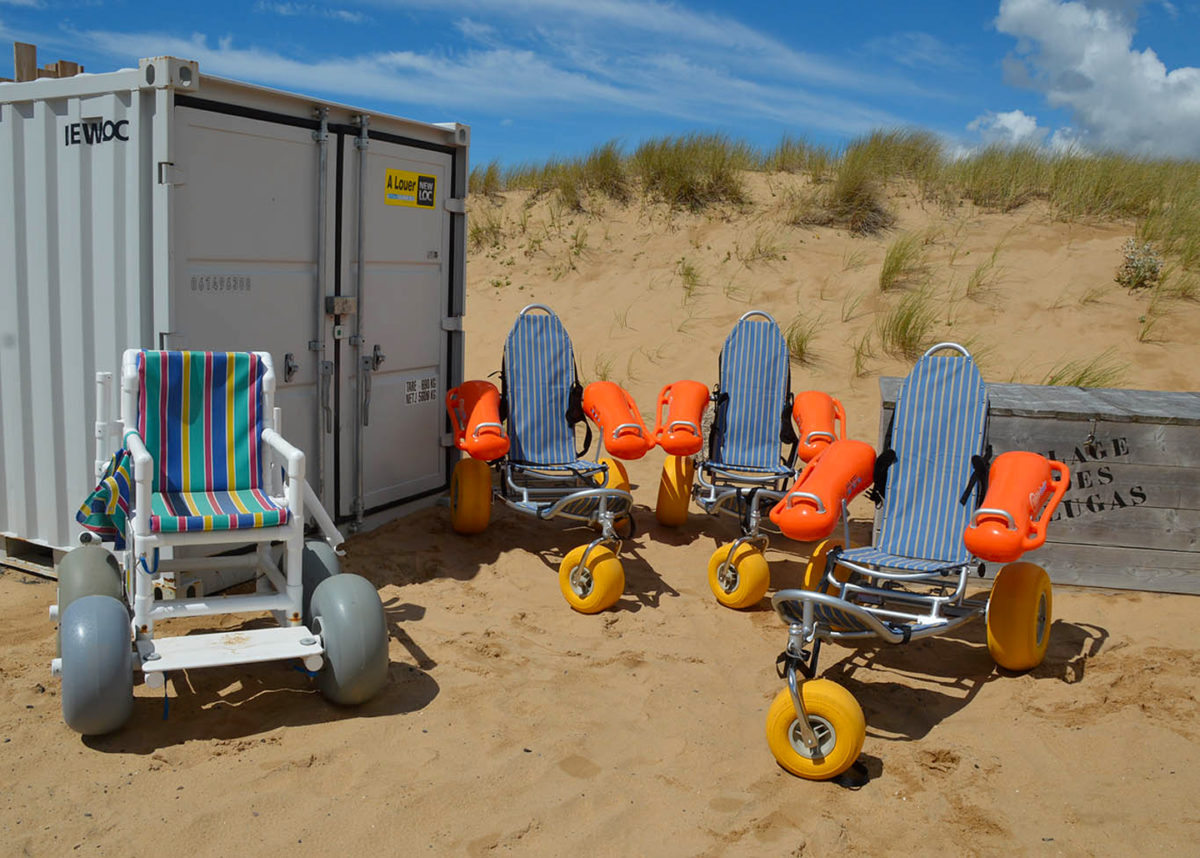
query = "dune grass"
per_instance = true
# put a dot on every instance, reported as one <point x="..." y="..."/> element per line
<point x="905" y="331"/>
<point x="799" y="335"/>
<point x="903" y="261"/>
<point x="693" y="171"/>
<point x="1103" y="370"/>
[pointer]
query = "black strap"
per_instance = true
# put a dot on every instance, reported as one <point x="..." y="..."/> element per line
<point x="802" y="665"/>
<point x="980" y="465"/>
<point x="787" y="434"/>
<point x="885" y="459"/>
<point x="716" y="433"/>
<point x="575" y="414"/>
<point x="503" y="394"/>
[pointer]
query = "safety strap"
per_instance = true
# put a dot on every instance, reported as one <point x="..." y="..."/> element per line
<point x="575" y="413"/>
<point x="717" y="431"/>
<point x="885" y="459"/>
<point x="787" y="435"/>
<point x="980" y="465"/>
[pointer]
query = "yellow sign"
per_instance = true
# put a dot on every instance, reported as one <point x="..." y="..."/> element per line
<point x="410" y="189"/>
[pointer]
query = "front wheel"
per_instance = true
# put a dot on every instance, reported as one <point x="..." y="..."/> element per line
<point x="97" y="665"/>
<point x="836" y="719"/>
<point x="1019" y="613"/>
<point x="470" y="496"/>
<point x="741" y="580"/>
<point x="590" y="588"/>
<point x="348" y="614"/>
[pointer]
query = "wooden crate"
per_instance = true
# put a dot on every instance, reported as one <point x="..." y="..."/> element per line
<point x="1131" y="519"/>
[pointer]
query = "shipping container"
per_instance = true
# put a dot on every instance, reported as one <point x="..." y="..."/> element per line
<point x="161" y="208"/>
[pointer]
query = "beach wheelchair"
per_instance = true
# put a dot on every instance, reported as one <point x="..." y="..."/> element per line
<point x="752" y="449"/>
<point x="944" y="508"/>
<point x="203" y="465"/>
<point x="526" y="431"/>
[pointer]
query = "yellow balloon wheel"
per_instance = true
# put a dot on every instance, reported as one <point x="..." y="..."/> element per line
<point x="814" y="572"/>
<point x="590" y="588"/>
<point x="470" y="496"/>
<point x="674" y="491"/>
<point x="739" y="581"/>
<point x="836" y="719"/>
<point x="618" y="477"/>
<point x="1019" y="614"/>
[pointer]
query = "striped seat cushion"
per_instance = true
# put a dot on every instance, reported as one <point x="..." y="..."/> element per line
<point x="939" y="424"/>
<point x="753" y="393"/>
<point x="875" y="557"/>
<point x="174" y="512"/>
<point x="539" y="371"/>
<point x="200" y="417"/>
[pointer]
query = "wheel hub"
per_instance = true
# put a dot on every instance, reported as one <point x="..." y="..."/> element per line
<point x="581" y="581"/>
<point x="826" y="738"/>
<point x="728" y="577"/>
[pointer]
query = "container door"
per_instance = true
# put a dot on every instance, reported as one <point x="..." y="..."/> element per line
<point x="392" y="354"/>
<point x="245" y="266"/>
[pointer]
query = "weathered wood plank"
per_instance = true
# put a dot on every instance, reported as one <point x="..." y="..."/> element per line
<point x="1128" y="527"/>
<point x="1119" y="568"/>
<point x="1078" y="441"/>
<point x="24" y="61"/>
<point x="1043" y="401"/>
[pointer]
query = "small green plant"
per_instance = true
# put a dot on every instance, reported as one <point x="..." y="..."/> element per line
<point x="1094" y="295"/>
<point x="982" y="281"/>
<point x="1141" y="268"/>
<point x="862" y="354"/>
<point x="486" y="230"/>
<point x="485" y="181"/>
<point x="903" y="261"/>
<point x="904" y="331"/>
<point x="853" y="260"/>
<point x="602" y="367"/>
<point x="500" y="282"/>
<point x="690" y="275"/>
<point x="1104" y="370"/>
<point x="579" y="240"/>
<point x="799" y="336"/>
<point x="765" y="248"/>
<point x="849" y="305"/>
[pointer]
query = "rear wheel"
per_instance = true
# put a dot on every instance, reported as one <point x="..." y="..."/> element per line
<point x="319" y="562"/>
<point x="97" y="665"/>
<point x="674" y="491"/>
<point x="590" y="588"/>
<point x="814" y="573"/>
<point x="470" y="496"/>
<point x="1019" y="614"/>
<point x="836" y="719"/>
<point x="741" y="580"/>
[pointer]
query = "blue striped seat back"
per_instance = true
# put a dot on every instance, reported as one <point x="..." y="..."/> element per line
<point x="754" y="375"/>
<point x="539" y="370"/>
<point x="939" y="424"/>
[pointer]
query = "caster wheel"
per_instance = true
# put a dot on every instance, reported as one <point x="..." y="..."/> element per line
<point x="740" y="581"/>
<point x="592" y="588"/>
<point x="836" y="719"/>
<point x="348" y="615"/>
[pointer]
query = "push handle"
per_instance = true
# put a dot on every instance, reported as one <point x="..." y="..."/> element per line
<point x="664" y="399"/>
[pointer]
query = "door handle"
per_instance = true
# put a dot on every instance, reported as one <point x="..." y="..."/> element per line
<point x="365" y="369"/>
<point x="326" y="388"/>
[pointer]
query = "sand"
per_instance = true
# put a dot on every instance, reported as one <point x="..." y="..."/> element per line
<point x="511" y="724"/>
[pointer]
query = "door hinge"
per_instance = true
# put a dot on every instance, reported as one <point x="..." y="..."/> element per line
<point x="448" y="440"/>
<point x="452" y="323"/>
<point x="169" y="174"/>
<point x="456" y="205"/>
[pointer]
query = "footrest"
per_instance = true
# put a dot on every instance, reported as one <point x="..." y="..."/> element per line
<point x="225" y="648"/>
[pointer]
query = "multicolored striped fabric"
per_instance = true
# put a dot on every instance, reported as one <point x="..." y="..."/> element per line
<point x="200" y="416"/>
<point x="173" y="512"/>
<point x="754" y="377"/>
<point x="539" y="371"/>
<point x="940" y="423"/>
<point x="106" y="510"/>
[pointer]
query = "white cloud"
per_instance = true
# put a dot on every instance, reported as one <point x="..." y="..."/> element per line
<point x="916" y="50"/>
<point x="1081" y="58"/>
<point x="28" y="4"/>
<point x="1014" y="128"/>
<point x="554" y="68"/>
<point x="308" y="10"/>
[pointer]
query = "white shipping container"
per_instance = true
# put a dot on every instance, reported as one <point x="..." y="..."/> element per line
<point x="162" y="208"/>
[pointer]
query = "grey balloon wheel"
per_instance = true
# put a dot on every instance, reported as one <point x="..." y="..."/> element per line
<point x="348" y="615"/>
<point x="97" y="665"/>
<point x="86" y="571"/>
<point x="319" y="562"/>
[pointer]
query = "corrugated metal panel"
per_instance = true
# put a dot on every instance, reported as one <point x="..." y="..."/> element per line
<point x="74" y="286"/>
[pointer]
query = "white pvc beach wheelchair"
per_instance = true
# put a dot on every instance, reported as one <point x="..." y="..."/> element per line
<point x="203" y="464"/>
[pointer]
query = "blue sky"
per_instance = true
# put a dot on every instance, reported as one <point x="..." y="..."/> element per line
<point x="536" y="78"/>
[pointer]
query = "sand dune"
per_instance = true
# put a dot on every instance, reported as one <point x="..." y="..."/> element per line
<point x="513" y="725"/>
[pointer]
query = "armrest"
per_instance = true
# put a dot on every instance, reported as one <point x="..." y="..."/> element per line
<point x="143" y="462"/>
<point x="293" y="457"/>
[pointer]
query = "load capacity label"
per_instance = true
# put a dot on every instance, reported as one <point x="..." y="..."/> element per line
<point x="410" y="189"/>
